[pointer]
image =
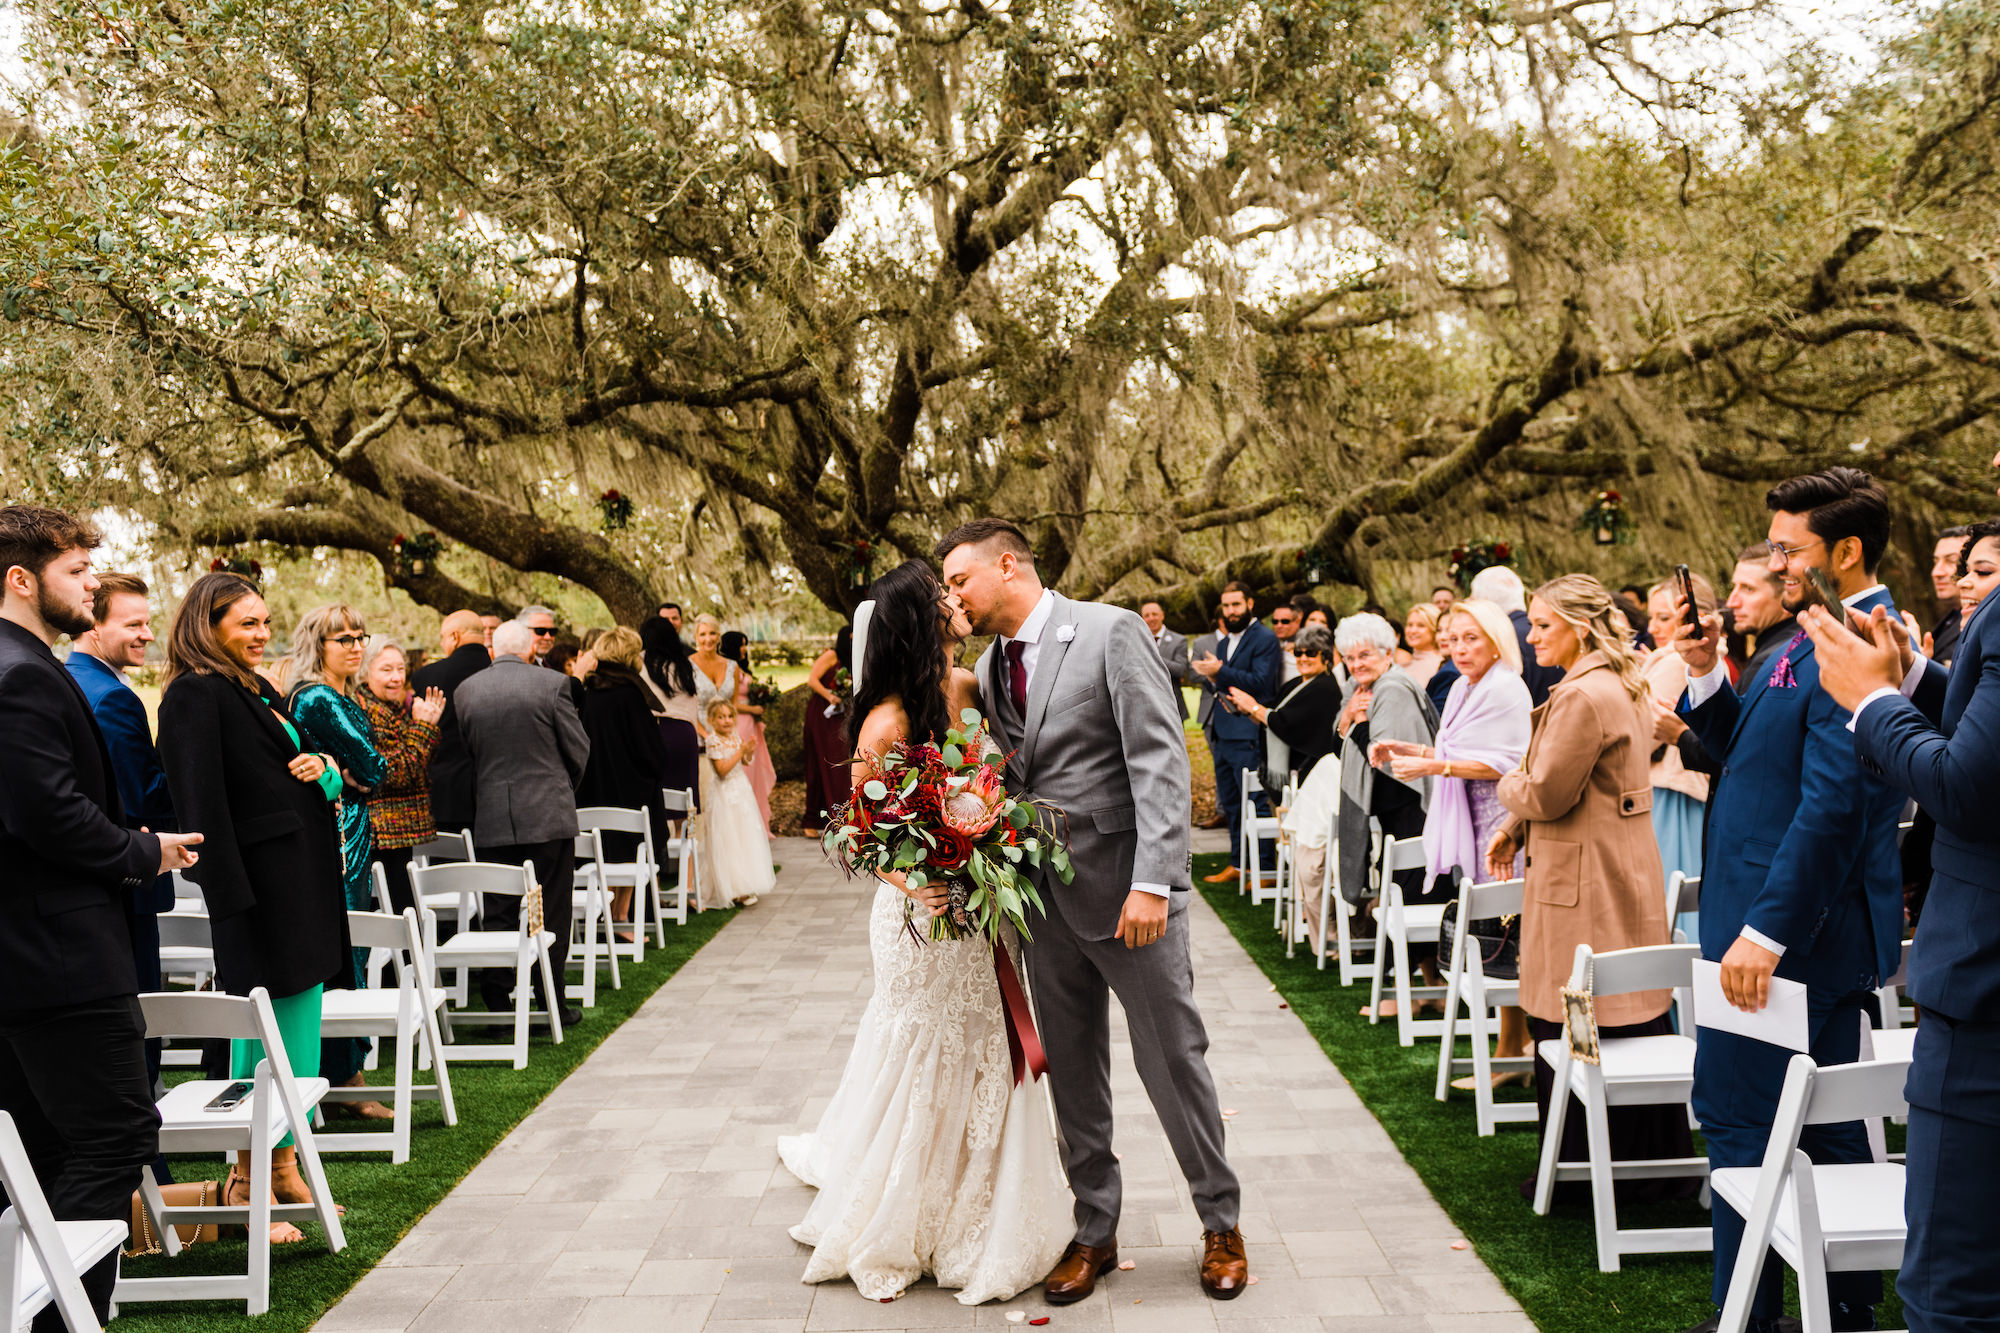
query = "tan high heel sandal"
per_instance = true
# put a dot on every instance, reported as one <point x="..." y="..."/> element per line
<point x="282" y="1233"/>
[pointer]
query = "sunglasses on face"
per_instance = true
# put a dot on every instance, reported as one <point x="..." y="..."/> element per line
<point x="550" y="632"/>
<point x="347" y="640"/>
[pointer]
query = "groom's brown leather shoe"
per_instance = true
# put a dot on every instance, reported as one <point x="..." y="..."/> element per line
<point x="1075" y="1277"/>
<point x="1226" y="875"/>
<point x="1225" y="1271"/>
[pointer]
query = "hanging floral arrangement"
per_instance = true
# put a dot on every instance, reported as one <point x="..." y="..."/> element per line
<point x="241" y="565"/>
<point x="616" y="508"/>
<point x="1315" y="564"/>
<point x="417" y="556"/>
<point x="1609" y="519"/>
<point x="1468" y="558"/>
<point x="860" y="562"/>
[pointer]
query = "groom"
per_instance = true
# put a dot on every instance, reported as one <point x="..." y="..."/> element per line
<point x="1075" y="692"/>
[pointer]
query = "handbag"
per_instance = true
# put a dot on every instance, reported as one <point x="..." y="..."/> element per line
<point x="1498" y="940"/>
<point x="189" y="1194"/>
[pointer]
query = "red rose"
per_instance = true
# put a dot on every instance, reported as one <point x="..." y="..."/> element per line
<point x="952" y="850"/>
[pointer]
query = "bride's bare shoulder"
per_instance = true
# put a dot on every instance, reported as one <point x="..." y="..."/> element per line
<point x="962" y="689"/>
<point x="885" y="724"/>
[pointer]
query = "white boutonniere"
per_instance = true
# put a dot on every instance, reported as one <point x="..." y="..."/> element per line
<point x="1064" y="633"/>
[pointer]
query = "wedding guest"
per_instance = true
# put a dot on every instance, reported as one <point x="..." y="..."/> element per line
<point x="1756" y="607"/>
<point x="826" y="754"/>
<point x="715" y="676"/>
<point x="1481" y="738"/>
<point x="1978" y="568"/>
<point x="1443" y="596"/>
<point x="72" y="1038"/>
<point x="529" y="750"/>
<point x="463" y="643"/>
<point x="567" y="658"/>
<point x="671" y="613"/>
<point x="1205" y="706"/>
<point x="1579" y="807"/>
<point x="1173" y="650"/>
<point x="1945" y="559"/>
<point x="1380" y="703"/>
<point x="319" y="672"/>
<point x="1502" y="587"/>
<point x="271" y="870"/>
<point x="750" y="723"/>
<point x="1301" y="721"/>
<point x="737" y="866"/>
<point x="1420" y="635"/>
<point x="541" y="622"/>
<point x="669" y="678"/>
<point x="98" y="660"/>
<point x="1680" y="790"/>
<point x="628" y="760"/>
<point x="488" y="622"/>
<point x="1250" y="658"/>
<point x="1318" y="616"/>
<point x="406" y="734"/>
<point x="1285" y="622"/>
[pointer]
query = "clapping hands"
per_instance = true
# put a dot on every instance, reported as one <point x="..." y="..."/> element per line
<point x="429" y="706"/>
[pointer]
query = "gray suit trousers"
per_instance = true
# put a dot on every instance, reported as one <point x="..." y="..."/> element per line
<point x="1073" y="979"/>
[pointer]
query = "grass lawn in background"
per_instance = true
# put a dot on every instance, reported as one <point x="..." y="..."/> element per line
<point x="1549" y="1264"/>
<point x="383" y="1201"/>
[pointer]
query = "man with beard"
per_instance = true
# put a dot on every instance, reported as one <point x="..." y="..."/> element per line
<point x="72" y="1039"/>
<point x="1247" y="657"/>
<point x="1802" y="880"/>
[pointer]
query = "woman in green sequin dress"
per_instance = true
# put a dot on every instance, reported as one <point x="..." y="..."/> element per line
<point x="320" y="673"/>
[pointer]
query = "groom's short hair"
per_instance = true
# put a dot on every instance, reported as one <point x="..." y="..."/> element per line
<point x="979" y="532"/>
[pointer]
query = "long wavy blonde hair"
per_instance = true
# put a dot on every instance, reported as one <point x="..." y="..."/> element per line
<point x="1585" y="605"/>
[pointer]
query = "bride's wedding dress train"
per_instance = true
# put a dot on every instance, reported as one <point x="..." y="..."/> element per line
<point x="929" y="1159"/>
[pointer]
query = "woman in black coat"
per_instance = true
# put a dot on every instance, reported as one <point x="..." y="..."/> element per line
<point x="1307" y="708"/>
<point x="270" y="870"/>
<point x="628" y="759"/>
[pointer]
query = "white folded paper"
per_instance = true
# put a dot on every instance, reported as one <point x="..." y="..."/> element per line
<point x="1781" y="1022"/>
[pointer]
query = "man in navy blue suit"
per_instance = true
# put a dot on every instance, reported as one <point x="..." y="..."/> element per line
<point x="1941" y="745"/>
<point x="98" y="660"/>
<point x="1249" y="658"/>
<point x="1803" y="880"/>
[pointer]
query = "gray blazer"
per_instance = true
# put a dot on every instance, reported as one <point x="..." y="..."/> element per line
<point x="528" y="750"/>
<point x="1204" y="646"/>
<point x="1174" y="652"/>
<point x="1102" y="743"/>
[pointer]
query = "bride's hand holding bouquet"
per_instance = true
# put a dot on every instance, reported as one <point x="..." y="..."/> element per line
<point x="938" y="819"/>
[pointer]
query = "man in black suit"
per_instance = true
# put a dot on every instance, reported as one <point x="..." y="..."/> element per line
<point x="72" y="1039"/>
<point x="462" y="653"/>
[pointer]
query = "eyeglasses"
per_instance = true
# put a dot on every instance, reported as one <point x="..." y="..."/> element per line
<point x="347" y="640"/>
<point x="540" y="631"/>
<point x="1785" y="552"/>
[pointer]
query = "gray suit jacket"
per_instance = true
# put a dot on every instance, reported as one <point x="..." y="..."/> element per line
<point x="528" y="750"/>
<point x="1102" y="743"/>
<point x="1203" y="647"/>
<point x="1174" y="652"/>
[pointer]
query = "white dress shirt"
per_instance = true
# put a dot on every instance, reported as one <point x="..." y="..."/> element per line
<point x="1029" y="636"/>
<point x="1700" y="689"/>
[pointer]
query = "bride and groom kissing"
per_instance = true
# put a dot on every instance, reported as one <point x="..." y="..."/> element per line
<point x="931" y="1156"/>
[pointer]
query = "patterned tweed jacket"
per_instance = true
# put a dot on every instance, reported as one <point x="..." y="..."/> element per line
<point x="400" y="808"/>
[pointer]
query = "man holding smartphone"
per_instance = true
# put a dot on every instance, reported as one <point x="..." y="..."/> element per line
<point x="72" y="1039"/>
<point x="1802" y="876"/>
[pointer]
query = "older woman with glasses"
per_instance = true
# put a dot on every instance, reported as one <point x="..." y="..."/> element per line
<point x="320" y="673"/>
<point x="1300" y="723"/>
<point x="406" y="733"/>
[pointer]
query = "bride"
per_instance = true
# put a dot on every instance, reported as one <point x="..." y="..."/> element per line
<point x="929" y="1159"/>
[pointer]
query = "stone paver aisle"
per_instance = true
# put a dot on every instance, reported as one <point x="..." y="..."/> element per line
<point x="645" y="1193"/>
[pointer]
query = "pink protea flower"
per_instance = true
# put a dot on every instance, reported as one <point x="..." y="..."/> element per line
<point x="975" y="807"/>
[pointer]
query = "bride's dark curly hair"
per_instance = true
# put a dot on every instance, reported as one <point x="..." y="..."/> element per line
<point x="905" y="653"/>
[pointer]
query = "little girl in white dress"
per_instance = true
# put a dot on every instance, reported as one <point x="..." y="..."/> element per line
<point x="735" y="848"/>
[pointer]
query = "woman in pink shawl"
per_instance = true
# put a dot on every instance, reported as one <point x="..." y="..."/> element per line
<point x="1481" y="737"/>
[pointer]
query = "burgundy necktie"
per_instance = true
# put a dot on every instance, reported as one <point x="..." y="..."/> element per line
<point x="1017" y="674"/>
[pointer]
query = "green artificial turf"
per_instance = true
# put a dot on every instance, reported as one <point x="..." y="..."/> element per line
<point x="383" y="1202"/>
<point x="1549" y="1264"/>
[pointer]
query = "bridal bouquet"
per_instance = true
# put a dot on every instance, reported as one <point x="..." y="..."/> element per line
<point x="941" y="813"/>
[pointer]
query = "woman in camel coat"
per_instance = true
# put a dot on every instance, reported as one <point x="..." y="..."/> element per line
<point x="1582" y="800"/>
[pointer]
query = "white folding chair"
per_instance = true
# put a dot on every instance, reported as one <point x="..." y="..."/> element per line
<point x="444" y="849"/>
<point x="1281" y="913"/>
<point x="187" y="957"/>
<point x="590" y="908"/>
<point x="1466" y="980"/>
<point x="1895" y="1013"/>
<point x="1817" y="1217"/>
<point x="42" y="1261"/>
<point x="278" y="1105"/>
<point x="1632" y="1071"/>
<point x="1261" y="885"/>
<point x="1683" y="899"/>
<point x="642" y="873"/>
<point x="1397" y="927"/>
<point x="685" y="852"/>
<point x="409" y="1013"/>
<point x="521" y="949"/>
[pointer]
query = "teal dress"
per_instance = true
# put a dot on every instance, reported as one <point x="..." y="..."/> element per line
<point x="332" y="724"/>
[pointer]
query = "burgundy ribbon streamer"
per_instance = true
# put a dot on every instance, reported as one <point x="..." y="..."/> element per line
<point x="1024" y="1044"/>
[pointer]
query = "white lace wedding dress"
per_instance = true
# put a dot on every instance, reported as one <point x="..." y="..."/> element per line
<point x="929" y="1159"/>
